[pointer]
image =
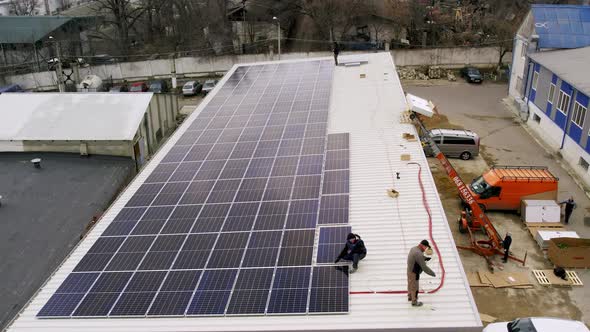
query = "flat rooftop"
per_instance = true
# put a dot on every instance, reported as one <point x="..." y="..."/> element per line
<point x="366" y="102"/>
<point x="44" y="212"/>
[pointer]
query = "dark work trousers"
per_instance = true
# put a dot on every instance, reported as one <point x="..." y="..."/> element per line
<point x="336" y="58"/>
<point x="355" y="258"/>
<point x="568" y="214"/>
<point x="505" y="259"/>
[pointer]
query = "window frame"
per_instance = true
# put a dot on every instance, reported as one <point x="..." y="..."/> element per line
<point x="579" y="113"/>
<point x="551" y="94"/>
<point x="560" y="101"/>
<point x="535" y="80"/>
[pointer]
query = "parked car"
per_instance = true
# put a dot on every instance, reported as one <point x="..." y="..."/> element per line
<point x="159" y="86"/>
<point x="208" y="86"/>
<point x="11" y="88"/>
<point x="118" y="88"/>
<point x="139" y="87"/>
<point x="102" y="59"/>
<point x="455" y="143"/>
<point x="471" y="74"/>
<point x="538" y="324"/>
<point x="191" y="88"/>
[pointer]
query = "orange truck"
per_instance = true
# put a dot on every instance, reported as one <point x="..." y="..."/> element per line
<point x="504" y="187"/>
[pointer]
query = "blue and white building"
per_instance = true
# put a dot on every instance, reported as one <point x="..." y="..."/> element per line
<point x="550" y="79"/>
<point x="546" y="28"/>
<point x="558" y="91"/>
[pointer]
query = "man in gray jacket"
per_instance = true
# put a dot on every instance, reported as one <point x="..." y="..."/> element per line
<point x="417" y="264"/>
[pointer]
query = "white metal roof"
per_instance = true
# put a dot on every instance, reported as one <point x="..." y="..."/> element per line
<point x="570" y="65"/>
<point x="71" y="116"/>
<point x="369" y="109"/>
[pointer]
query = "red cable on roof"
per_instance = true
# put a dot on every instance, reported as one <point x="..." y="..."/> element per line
<point x="434" y="245"/>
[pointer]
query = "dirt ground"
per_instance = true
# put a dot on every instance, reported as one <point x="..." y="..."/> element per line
<point x="505" y="142"/>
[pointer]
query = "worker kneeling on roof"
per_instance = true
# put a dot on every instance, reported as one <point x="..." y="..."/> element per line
<point x="354" y="250"/>
<point x="417" y="264"/>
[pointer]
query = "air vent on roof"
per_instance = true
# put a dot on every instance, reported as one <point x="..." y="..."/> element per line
<point x="36" y="162"/>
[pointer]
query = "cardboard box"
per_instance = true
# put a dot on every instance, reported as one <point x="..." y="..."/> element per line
<point x="544" y="235"/>
<point x="569" y="253"/>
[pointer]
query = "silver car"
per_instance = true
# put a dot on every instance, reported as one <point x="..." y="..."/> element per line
<point x="456" y="143"/>
<point x="208" y="86"/>
<point x="191" y="88"/>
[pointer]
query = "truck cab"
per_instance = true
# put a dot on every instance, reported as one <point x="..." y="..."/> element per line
<point x="504" y="187"/>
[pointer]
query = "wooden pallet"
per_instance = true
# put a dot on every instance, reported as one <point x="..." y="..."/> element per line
<point x="547" y="278"/>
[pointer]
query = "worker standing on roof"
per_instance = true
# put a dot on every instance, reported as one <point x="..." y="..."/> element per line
<point x="336" y="50"/>
<point x="417" y="264"/>
<point x="354" y="250"/>
<point x="570" y="205"/>
<point x="506" y="244"/>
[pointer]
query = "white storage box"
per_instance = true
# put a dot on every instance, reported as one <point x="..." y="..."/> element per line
<point x="540" y="211"/>
<point x="543" y="236"/>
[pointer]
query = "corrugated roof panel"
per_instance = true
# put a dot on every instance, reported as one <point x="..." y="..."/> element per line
<point x="561" y="26"/>
<point x="369" y="109"/>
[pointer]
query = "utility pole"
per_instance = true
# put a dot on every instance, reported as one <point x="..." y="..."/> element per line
<point x="278" y="35"/>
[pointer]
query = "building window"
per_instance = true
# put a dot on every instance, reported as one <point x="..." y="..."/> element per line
<point x="551" y="94"/>
<point x="584" y="164"/>
<point x="536" y="118"/>
<point x="563" y="102"/>
<point x="579" y="114"/>
<point x="535" y="80"/>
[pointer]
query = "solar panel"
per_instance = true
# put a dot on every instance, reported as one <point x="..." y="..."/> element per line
<point x="225" y="224"/>
<point x="331" y="242"/>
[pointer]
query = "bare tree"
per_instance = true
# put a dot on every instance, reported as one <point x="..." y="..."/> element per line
<point x="122" y="15"/>
<point x="64" y="4"/>
<point x="499" y="33"/>
<point x="333" y="17"/>
<point x="24" y="7"/>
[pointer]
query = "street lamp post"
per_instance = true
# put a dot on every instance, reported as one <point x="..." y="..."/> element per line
<point x="278" y="34"/>
<point x="59" y="69"/>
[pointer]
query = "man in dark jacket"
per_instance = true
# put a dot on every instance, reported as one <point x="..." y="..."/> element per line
<point x="570" y="205"/>
<point x="336" y="50"/>
<point x="417" y="264"/>
<point x="354" y="250"/>
<point x="506" y="244"/>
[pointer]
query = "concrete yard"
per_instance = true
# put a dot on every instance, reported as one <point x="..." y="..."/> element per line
<point x="505" y="142"/>
<point x="44" y="214"/>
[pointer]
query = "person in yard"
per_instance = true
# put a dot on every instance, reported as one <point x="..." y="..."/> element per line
<point x="354" y="250"/>
<point x="416" y="265"/>
<point x="570" y="205"/>
<point x="506" y="245"/>
<point x="336" y="50"/>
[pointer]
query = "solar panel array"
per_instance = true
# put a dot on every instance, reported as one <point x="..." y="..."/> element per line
<point x="225" y="224"/>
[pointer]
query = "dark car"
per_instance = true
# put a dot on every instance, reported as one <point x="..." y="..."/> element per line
<point x="138" y="87"/>
<point x="471" y="74"/>
<point x="159" y="86"/>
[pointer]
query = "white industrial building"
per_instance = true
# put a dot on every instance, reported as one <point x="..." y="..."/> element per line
<point x="368" y="102"/>
<point x="128" y="125"/>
